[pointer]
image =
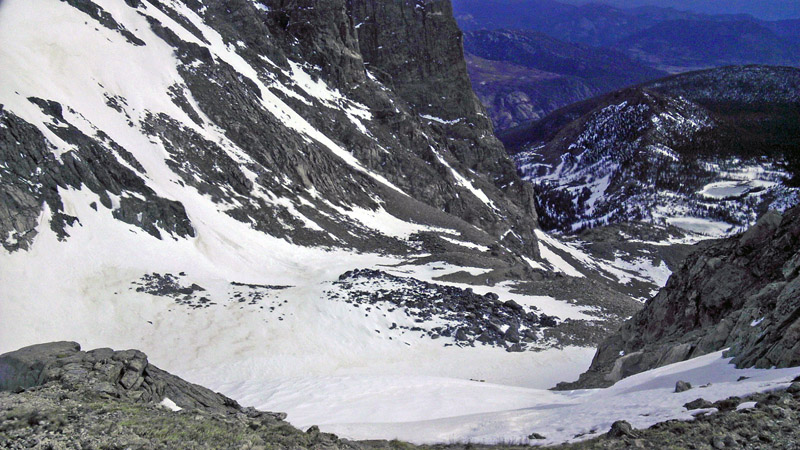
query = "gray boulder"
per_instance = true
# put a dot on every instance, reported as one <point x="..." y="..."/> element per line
<point x="621" y="428"/>
<point x="698" y="404"/>
<point x="29" y="367"/>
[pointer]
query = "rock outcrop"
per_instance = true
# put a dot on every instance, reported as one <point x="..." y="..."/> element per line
<point x="742" y="293"/>
<point x="56" y="396"/>
<point x="32" y="176"/>
<point x="108" y="373"/>
<point x="416" y="47"/>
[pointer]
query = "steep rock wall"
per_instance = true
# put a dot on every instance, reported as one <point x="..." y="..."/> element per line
<point x="741" y="293"/>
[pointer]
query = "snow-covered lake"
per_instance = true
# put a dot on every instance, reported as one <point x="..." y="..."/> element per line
<point x="733" y="189"/>
<point x="706" y="227"/>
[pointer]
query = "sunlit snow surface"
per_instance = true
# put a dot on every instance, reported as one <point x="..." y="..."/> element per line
<point x="323" y="364"/>
<point x="311" y="349"/>
<point x="435" y="410"/>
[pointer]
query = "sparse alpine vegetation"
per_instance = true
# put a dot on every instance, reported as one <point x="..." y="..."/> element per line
<point x="706" y="151"/>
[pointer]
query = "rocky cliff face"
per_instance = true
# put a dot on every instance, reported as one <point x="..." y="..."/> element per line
<point x="414" y="50"/>
<point x="281" y="112"/>
<point x="416" y="47"/>
<point x="742" y="293"/>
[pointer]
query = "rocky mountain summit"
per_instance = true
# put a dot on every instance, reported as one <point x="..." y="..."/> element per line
<point x="705" y="151"/>
<point x="741" y="293"/>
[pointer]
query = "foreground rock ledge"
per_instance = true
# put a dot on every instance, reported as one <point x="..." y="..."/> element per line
<point x="55" y="396"/>
<point x="106" y="373"/>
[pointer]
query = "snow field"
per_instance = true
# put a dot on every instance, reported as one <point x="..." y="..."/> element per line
<point x="88" y="296"/>
<point x="324" y="359"/>
<point x="642" y="400"/>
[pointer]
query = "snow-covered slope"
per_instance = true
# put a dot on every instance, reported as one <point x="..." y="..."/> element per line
<point x="701" y="151"/>
<point x="150" y="102"/>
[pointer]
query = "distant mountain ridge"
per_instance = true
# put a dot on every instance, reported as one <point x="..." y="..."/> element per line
<point x="647" y="32"/>
<point x="707" y="43"/>
<point x="590" y="49"/>
<point x="772" y="10"/>
<point x="594" y="24"/>
<point x="523" y="75"/>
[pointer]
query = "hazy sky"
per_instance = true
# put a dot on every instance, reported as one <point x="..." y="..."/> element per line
<point x="766" y="9"/>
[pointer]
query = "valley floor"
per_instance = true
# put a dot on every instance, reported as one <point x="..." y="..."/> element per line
<point x="259" y="321"/>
